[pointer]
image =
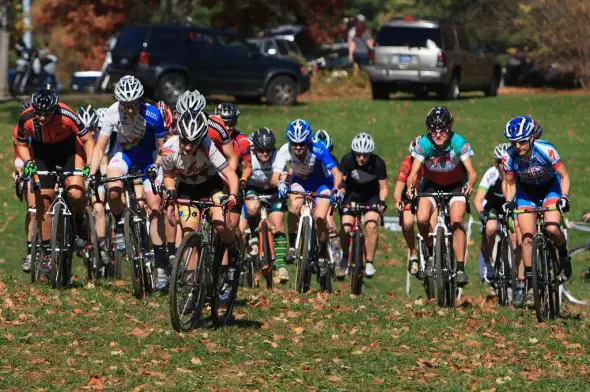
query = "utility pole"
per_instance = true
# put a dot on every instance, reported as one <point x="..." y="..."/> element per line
<point x="4" y="42"/>
<point x="27" y="27"/>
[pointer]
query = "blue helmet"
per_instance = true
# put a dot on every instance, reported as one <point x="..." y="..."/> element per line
<point x="323" y="137"/>
<point x="299" y="131"/>
<point x="520" y="128"/>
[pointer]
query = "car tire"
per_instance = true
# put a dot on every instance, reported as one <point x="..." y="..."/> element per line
<point x="380" y="91"/>
<point x="492" y="89"/>
<point x="170" y="86"/>
<point x="282" y="91"/>
<point x="451" y="91"/>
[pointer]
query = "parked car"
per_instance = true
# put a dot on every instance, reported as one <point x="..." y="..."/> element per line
<point x="84" y="81"/>
<point x="521" y="70"/>
<point x="169" y="59"/>
<point x="419" y="56"/>
<point x="279" y="46"/>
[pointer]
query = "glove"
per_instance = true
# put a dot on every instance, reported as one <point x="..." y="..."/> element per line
<point x="337" y="196"/>
<point x="283" y="189"/>
<point x="169" y="196"/>
<point x="467" y="190"/>
<point x="85" y="171"/>
<point x="230" y="202"/>
<point x="411" y="193"/>
<point x="152" y="171"/>
<point x="564" y="203"/>
<point x="30" y="169"/>
<point x="382" y="206"/>
<point x="508" y="207"/>
<point x="94" y="179"/>
<point x="483" y="217"/>
<point x="242" y="185"/>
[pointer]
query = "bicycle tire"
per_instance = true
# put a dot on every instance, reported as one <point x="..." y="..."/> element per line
<point x="440" y="266"/>
<point x="509" y="270"/>
<point x="134" y="256"/>
<point x="145" y="243"/>
<point x="328" y="279"/>
<point x="265" y="259"/>
<point x="450" y="279"/>
<point x="302" y="257"/>
<point x="37" y="252"/>
<point x="356" y="278"/>
<point x="539" y="268"/>
<point x="220" y="313"/>
<point x="178" y="282"/>
<point x="57" y="243"/>
<point x="500" y="279"/>
<point x="428" y="282"/>
<point x="94" y="262"/>
<point x="554" y="282"/>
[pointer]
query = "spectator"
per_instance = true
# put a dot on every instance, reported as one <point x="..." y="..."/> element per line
<point x="359" y="42"/>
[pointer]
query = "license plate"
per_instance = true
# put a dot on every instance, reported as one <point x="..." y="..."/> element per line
<point x="405" y="59"/>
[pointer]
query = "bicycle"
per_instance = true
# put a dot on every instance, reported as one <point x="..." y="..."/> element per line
<point x="62" y="235"/>
<point x="138" y="246"/>
<point x="356" y="257"/>
<point x="38" y="252"/>
<point x="307" y="247"/>
<point x="91" y="253"/>
<point x="443" y="284"/>
<point x="504" y="271"/>
<point x="262" y="261"/>
<point x="196" y="275"/>
<point x="545" y="280"/>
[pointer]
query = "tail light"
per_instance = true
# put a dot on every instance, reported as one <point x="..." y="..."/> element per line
<point x="441" y="60"/>
<point x="144" y="58"/>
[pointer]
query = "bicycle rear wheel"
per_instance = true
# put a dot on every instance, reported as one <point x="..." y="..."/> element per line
<point x="440" y="267"/>
<point x="92" y="258"/>
<point x="58" y="247"/>
<point x="356" y="278"/>
<point x="134" y="256"/>
<point x="188" y="285"/>
<point x="221" y="311"/>
<point x="539" y="280"/>
<point x="554" y="282"/>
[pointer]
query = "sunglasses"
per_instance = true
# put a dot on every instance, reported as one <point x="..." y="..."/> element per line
<point x="266" y="152"/>
<point x="362" y="154"/>
<point x="129" y="105"/>
<point x="520" y="142"/>
<point x="299" y="144"/>
<point x="439" y="131"/>
<point x="44" y="113"/>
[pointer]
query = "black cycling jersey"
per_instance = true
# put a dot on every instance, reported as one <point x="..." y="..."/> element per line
<point x="362" y="182"/>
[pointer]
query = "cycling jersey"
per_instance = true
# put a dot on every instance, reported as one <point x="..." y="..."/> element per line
<point x="131" y="131"/>
<point x="443" y="167"/>
<point x="241" y="145"/>
<point x="316" y="164"/>
<point x="491" y="183"/>
<point x="195" y="168"/>
<point x="261" y="172"/>
<point x="63" y="125"/>
<point x="217" y="131"/>
<point x="405" y="168"/>
<point x="538" y="170"/>
<point x="362" y="182"/>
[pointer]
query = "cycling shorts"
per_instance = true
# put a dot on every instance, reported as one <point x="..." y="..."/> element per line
<point x="204" y="190"/>
<point x="135" y="159"/>
<point x="68" y="154"/>
<point x="321" y="185"/>
<point x="428" y="187"/>
<point x="355" y="198"/>
<point x="538" y="196"/>
<point x="277" y="205"/>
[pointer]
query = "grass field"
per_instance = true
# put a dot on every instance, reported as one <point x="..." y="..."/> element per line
<point x="102" y="338"/>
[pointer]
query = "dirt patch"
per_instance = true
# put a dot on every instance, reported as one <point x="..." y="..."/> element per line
<point x="509" y="90"/>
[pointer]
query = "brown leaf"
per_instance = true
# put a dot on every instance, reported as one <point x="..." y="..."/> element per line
<point x="183" y="370"/>
<point x="152" y="374"/>
<point x="37" y="360"/>
<point x="335" y="379"/>
<point x="292" y="314"/>
<point x="196" y="361"/>
<point x="96" y="383"/>
<point x="472" y="343"/>
<point x="8" y="336"/>
<point x="298" y="330"/>
<point x="139" y="333"/>
<point x="77" y="311"/>
<point x="378" y="381"/>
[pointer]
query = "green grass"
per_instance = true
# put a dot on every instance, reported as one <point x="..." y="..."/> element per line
<point x="102" y="337"/>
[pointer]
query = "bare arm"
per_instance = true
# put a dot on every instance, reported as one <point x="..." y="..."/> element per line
<point x="159" y="157"/>
<point x="416" y="167"/>
<point x="397" y="193"/>
<point x="479" y="198"/>
<point x="230" y="154"/>
<point x="246" y="170"/>
<point x="169" y="182"/>
<point x="509" y="187"/>
<point x="471" y="175"/>
<point x="383" y="191"/>
<point x="337" y="177"/>
<point x="23" y="151"/>
<point x="98" y="153"/>
<point x="565" y="179"/>
<point x="230" y="178"/>
<point x="275" y="179"/>
<point x="88" y="141"/>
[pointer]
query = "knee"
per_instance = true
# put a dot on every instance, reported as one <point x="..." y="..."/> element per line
<point x="457" y="226"/>
<point x="491" y="228"/>
<point x="252" y="209"/>
<point x="408" y="225"/>
<point x="114" y="193"/>
<point x="423" y="220"/>
<point x="75" y="194"/>
<point x="98" y="209"/>
<point x="321" y="221"/>
<point x="527" y="241"/>
<point x="553" y="229"/>
<point x="346" y="228"/>
<point x="371" y="228"/>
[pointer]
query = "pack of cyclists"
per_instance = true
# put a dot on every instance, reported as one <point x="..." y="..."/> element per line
<point x="190" y="154"/>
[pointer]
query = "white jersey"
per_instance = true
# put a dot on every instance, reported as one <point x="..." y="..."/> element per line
<point x="261" y="172"/>
<point x="317" y="162"/>
<point x="205" y="162"/>
<point x="131" y="130"/>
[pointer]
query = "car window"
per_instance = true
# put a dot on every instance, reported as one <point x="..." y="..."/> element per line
<point x="449" y="38"/>
<point x="168" y="41"/>
<point x="421" y="37"/>
<point x="231" y="45"/>
<point x="283" y="48"/>
<point x="200" y="43"/>
<point x="132" y="37"/>
<point x="292" y="47"/>
<point x="463" y="38"/>
<point x="269" y="47"/>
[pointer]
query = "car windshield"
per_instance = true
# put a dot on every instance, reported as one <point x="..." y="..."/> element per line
<point x="408" y="36"/>
<point x="132" y="37"/>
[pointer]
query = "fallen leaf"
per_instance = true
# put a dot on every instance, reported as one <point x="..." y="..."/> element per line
<point x="96" y="382"/>
<point x="335" y="379"/>
<point x="378" y="381"/>
<point x="77" y="311"/>
<point x="183" y="370"/>
<point x="298" y="330"/>
<point x="139" y="333"/>
<point x="196" y="361"/>
<point x="117" y="352"/>
<point x="37" y="360"/>
<point x="8" y="336"/>
<point x="533" y="340"/>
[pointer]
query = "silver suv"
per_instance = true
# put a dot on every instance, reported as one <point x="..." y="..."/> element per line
<point x="419" y="56"/>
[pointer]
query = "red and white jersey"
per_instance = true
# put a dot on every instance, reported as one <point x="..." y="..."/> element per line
<point x="205" y="162"/>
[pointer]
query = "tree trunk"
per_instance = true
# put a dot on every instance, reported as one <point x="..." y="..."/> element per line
<point x="4" y="42"/>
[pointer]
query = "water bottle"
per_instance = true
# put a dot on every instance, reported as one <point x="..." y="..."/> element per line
<point x="120" y="241"/>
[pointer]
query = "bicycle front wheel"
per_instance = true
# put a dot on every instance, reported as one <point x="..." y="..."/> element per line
<point x="266" y="255"/>
<point x="92" y="257"/>
<point x="440" y="255"/>
<point x="134" y="256"/>
<point x="58" y="247"/>
<point x="539" y="280"/>
<point x="356" y="278"/>
<point x="507" y="285"/>
<point x="554" y="282"/>
<point x="303" y="257"/>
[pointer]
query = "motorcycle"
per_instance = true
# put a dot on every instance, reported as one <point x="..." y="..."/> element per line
<point x="33" y="68"/>
<point x="102" y="83"/>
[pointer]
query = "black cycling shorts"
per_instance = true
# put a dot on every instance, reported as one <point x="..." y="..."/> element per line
<point x="49" y="156"/>
<point x="374" y="200"/>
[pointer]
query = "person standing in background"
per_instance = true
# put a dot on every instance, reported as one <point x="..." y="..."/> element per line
<point x="359" y="42"/>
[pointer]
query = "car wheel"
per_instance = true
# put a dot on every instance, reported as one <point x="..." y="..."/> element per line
<point x="170" y="87"/>
<point x="282" y="91"/>
<point x="451" y="91"/>
<point x="492" y="89"/>
<point x="380" y="91"/>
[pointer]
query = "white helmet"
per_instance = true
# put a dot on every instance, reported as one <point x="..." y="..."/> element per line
<point x="100" y="112"/>
<point x="190" y="100"/>
<point x="192" y="127"/>
<point x="88" y="116"/>
<point x="128" y="89"/>
<point x="363" y="143"/>
<point x="500" y="149"/>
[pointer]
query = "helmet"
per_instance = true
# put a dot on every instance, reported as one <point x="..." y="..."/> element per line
<point x="100" y="112"/>
<point x="324" y="137"/>
<point x="166" y="113"/>
<point x="128" y="89"/>
<point x="414" y="143"/>
<point x="229" y="113"/>
<point x="192" y="127"/>
<point x="263" y="139"/>
<point x="538" y="132"/>
<point x="44" y="100"/>
<point x="519" y="128"/>
<point x="363" y="143"/>
<point x="439" y="118"/>
<point x="88" y="116"/>
<point x="299" y="131"/>
<point x="25" y="105"/>
<point x="190" y="100"/>
<point x="500" y="149"/>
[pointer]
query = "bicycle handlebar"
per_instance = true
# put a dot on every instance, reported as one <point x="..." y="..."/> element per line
<point x="358" y="208"/>
<point x="537" y="210"/>
<point x="310" y="194"/>
<point x="125" y="177"/>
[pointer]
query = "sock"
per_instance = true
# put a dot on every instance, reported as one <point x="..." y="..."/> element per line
<point x="233" y="253"/>
<point x="160" y="257"/>
<point x="29" y="247"/>
<point x="562" y="250"/>
<point x="171" y="248"/>
<point x="292" y="239"/>
<point x="79" y="223"/>
<point x="117" y="218"/>
<point x="369" y="261"/>
<point x="279" y="242"/>
<point x="461" y="266"/>
<point x="253" y="223"/>
<point x="528" y="273"/>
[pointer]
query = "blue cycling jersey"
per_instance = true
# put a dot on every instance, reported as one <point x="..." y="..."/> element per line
<point x="538" y="170"/>
<point x="315" y="165"/>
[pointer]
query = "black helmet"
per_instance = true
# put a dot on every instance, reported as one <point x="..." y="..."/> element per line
<point x="439" y="118"/>
<point x="229" y="112"/>
<point x="89" y="116"/>
<point x="263" y="139"/>
<point x="25" y="105"/>
<point x="44" y="100"/>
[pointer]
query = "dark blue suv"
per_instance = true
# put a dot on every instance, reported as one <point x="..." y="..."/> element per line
<point x="169" y="59"/>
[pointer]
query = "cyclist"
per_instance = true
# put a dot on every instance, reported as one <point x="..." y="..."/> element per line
<point x="488" y="202"/>
<point x="140" y="133"/>
<point x="167" y="118"/>
<point x="90" y="118"/>
<point x="311" y="167"/>
<point x="535" y="177"/>
<point x="365" y="182"/>
<point x="264" y="154"/>
<point x="47" y="138"/>
<point x="446" y="158"/>
<point x="195" y="169"/>
<point x="402" y="204"/>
